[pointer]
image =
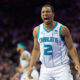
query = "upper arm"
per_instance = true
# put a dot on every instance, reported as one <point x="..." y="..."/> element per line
<point x="67" y="37"/>
<point x="36" y="44"/>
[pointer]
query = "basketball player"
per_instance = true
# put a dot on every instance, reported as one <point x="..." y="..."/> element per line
<point x="52" y="42"/>
<point x="24" y="64"/>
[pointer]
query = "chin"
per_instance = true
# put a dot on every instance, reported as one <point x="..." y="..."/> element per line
<point x="47" y="23"/>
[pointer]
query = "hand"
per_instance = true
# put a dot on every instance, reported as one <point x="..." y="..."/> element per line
<point x="29" y="73"/>
<point x="77" y="67"/>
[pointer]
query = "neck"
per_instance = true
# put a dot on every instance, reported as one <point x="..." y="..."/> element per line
<point x="50" y="26"/>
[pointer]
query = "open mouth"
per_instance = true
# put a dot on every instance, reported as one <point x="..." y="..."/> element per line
<point x="46" y="18"/>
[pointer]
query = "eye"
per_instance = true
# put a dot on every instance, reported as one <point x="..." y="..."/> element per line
<point x="42" y="11"/>
<point x="48" y="11"/>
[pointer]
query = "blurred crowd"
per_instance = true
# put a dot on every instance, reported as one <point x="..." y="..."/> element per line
<point x="17" y="20"/>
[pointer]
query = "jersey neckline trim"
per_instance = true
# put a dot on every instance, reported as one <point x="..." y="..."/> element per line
<point x="51" y="29"/>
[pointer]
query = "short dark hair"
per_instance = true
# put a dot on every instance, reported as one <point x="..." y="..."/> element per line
<point x="48" y="5"/>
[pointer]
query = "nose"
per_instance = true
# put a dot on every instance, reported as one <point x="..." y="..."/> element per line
<point x="45" y="14"/>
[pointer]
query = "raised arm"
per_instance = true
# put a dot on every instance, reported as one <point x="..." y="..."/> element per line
<point x="35" y="52"/>
<point x="72" y="50"/>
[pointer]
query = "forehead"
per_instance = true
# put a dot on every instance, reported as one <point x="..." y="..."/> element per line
<point x="46" y="8"/>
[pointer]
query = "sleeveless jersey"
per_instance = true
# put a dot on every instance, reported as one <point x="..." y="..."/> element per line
<point x="53" y="51"/>
<point x="23" y="62"/>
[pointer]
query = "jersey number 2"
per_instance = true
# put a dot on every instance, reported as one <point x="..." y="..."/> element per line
<point x="47" y="50"/>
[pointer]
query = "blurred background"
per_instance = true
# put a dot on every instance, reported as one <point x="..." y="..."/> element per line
<point x="17" y="20"/>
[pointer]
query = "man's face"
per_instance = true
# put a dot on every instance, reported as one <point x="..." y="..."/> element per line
<point x="47" y="15"/>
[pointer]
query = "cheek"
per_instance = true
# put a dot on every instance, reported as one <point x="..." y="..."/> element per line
<point x="52" y="16"/>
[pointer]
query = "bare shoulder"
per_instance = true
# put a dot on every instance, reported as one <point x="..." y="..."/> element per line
<point x="65" y="31"/>
<point x="35" y="31"/>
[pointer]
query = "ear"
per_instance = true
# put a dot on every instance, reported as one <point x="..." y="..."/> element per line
<point x="53" y="14"/>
